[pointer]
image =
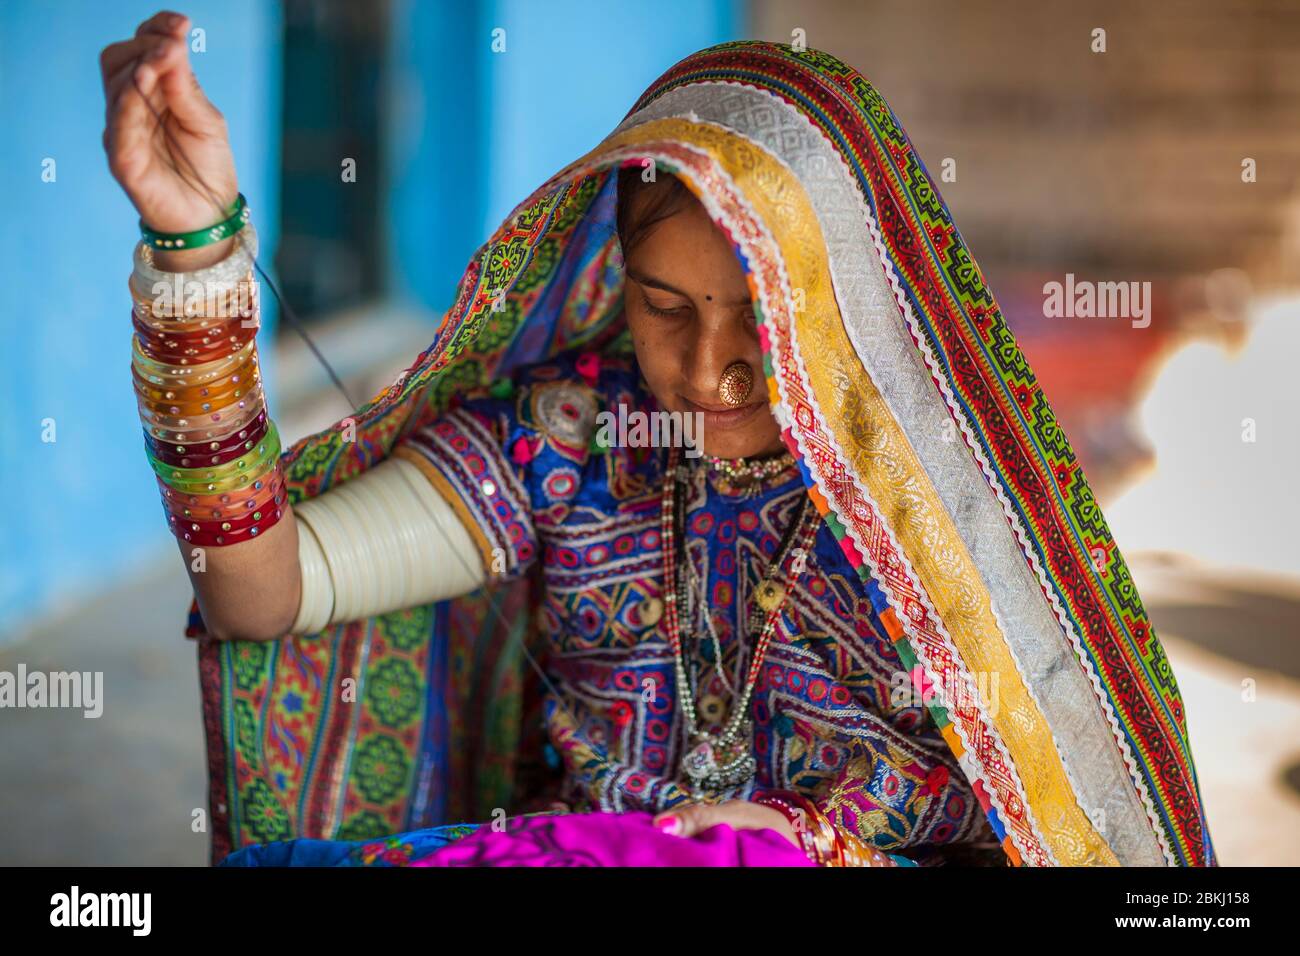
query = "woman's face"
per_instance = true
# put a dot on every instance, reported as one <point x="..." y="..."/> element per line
<point x="690" y="313"/>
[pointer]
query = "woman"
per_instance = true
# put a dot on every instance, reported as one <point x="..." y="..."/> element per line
<point x="868" y="613"/>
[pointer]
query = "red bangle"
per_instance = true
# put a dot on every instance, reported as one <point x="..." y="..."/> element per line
<point x="208" y="335"/>
<point x="798" y="817"/>
<point x="223" y="538"/>
<point x="831" y="847"/>
<point x="209" y="453"/>
<point x="230" y="524"/>
<point x="186" y="355"/>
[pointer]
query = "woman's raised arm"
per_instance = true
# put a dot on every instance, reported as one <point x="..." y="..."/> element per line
<point x="168" y="147"/>
<point x="383" y="541"/>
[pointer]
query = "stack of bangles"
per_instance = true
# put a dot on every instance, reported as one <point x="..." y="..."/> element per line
<point x="214" y="450"/>
<point x="821" y="840"/>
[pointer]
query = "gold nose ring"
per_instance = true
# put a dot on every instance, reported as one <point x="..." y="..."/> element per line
<point x="736" y="383"/>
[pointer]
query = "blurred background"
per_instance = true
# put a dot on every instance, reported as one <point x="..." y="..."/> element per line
<point x="1173" y="157"/>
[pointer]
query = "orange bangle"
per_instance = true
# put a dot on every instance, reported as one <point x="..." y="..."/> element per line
<point x="196" y="393"/>
<point x="208" y="335"/>
<point x="223" y="502"/>
<point x="215" y="400"/>
<point x="200" y="431"/>
<point x="177" y="351"/>
<point x="154" y="418"/>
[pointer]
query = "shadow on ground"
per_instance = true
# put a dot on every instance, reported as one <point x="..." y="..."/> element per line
<point x="121" y="788"/>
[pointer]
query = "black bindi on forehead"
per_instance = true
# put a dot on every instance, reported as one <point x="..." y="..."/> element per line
<point x="709" y="298"/>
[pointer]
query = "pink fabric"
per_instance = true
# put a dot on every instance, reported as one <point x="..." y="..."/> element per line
<point x="613" y="839"/>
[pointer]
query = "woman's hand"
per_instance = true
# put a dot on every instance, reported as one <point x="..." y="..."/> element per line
<point x="163" y="156"/>
<point x="738" y="814"/>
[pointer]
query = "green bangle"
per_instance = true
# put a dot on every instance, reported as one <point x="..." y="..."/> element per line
<point x="227" y="477"/>
<point x="236" y="219"/>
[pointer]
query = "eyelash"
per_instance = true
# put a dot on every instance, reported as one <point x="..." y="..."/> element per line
<point x="666" y="313"/>
<point x="655" y="310"/>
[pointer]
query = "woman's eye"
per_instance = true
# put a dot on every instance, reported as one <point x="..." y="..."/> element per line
<point x="656" y="310"/>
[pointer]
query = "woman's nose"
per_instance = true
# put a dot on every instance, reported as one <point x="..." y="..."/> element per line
<point x="719" y="341"/>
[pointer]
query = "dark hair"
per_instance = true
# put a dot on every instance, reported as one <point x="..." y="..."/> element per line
<point x="669" y="194"/>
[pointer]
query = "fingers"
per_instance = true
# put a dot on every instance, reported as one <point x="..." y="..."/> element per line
<point x="116" y="55"/>
<point x="144" y="77"/>
<point x="688" y="821"/>
<point x="185" y="98"/>
<point x="121" y="64"/>
<point x="129" y="123"/>
<point x="163" y="55"/>
<point x="129" y="76"/>
<point x="166" y="63"/>
<point x="164" y="21"/>
<point x="158" y="47"/>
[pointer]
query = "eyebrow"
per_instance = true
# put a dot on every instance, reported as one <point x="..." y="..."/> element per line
<point x="654" y="283"/>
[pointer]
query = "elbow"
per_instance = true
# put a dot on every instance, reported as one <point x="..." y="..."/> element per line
<point x="245" y="627"/>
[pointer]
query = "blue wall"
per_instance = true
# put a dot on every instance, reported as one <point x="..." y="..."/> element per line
<point x="479" y="131"/>
<point x="470" y="134"/>
<point x="83" y="511"/>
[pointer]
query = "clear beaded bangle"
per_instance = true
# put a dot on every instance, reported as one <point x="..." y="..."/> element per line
<point x="219" y="276"/>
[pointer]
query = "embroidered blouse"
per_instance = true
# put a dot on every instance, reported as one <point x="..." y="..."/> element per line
<point x="537" y="479"/>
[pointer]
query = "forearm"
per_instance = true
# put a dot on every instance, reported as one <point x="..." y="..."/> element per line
<point x="380" y="542"/>
<point x="209" y="436"/>
<point x="249" y="591"/>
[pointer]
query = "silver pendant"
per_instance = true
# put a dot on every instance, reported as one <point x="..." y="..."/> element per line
<point x="712" y="765"/>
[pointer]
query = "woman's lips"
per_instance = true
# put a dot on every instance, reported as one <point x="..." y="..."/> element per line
<point x="718" y="416"/>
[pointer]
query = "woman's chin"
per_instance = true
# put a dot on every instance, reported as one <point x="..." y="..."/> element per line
<point x="742" y="446"/>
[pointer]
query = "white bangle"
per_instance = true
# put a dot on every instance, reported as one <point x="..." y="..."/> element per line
<point x="383" y="541"/>
<point x="316" y="604"/>
<point x="201" y="293"/>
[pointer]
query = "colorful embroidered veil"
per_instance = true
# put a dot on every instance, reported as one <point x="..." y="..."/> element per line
<point x="922" y="435"/>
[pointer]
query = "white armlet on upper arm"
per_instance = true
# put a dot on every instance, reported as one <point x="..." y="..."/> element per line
<point x="383" y="541"/>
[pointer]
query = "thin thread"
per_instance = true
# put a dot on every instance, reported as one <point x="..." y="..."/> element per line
<point x="198" y="185"/>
